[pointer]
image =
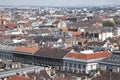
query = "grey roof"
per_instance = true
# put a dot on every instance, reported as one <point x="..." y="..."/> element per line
<point x="112" y="60"/>
<point x="51" y="53"/>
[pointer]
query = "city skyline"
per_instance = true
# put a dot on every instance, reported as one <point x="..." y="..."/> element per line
<point x="59" y="2"/>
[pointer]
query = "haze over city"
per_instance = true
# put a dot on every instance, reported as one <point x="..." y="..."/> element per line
<point x="59" y="40"/>
<point x="60" y="2"/>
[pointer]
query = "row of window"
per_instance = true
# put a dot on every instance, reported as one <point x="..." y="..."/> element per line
<point x="5" y="56"/>
<point x="36" y="61"/>
<point x="75" y="65"/>
<point x="114" y="57"/>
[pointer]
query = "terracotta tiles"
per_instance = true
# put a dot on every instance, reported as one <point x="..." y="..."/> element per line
<point x="82" y="40"/>
<point x="88" y="56"/>
<point x="64" y="30"/>
<point x="11" y="25"/>
<point x="18" y="78"/>
<point x="63" y="17"/>
<point x="31" y="50"/>
<point x="76" y="33"/>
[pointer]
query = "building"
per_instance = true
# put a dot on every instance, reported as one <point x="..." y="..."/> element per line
<point x="111" y="63"/>
<point x="40" y="56"/>
<point x="84" y="61"/>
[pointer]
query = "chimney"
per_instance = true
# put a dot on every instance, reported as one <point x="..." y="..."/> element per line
<point x="25" y="73"/>
<point x="34" y="78"/>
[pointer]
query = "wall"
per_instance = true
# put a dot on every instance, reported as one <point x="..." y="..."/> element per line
<point x="105" y="35"/>
<point x="6" y="55"/>
<point x="80" y="66"/>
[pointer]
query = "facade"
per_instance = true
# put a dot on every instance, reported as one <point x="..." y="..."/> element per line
<point x="117" y="31"/>
<point x="80" y="66"/>
<point x="105" y="35"/>
<point x="6" y="52"/>
<point x="43" y="57"/>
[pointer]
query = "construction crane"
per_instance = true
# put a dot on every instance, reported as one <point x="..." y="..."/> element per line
<point x="2" y="34"/>
<point x="2" y="25"/>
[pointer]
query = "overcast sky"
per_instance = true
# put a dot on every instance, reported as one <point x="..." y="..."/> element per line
<point x="60" y="2"/>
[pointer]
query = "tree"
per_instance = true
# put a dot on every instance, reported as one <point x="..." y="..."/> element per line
<point x="108" y="24"/>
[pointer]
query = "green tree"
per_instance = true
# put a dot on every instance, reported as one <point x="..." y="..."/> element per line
<point x="108" y="24"/>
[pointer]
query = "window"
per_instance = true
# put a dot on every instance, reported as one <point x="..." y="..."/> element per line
<point x="114" y="58"/>
<point x="74" y="65"/>
<point x="66" y="64"/>
<point x="79" y="66"/>
<point x="117" y="58"/>
<point x="84" y="66"/>
<point x="70" y="64"/>
<point x="111" y="57"/>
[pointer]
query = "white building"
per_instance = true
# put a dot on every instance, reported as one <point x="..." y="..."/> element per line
<point x="104" y="35"/>
<point x="84" y="61"/>
<point x="61" y="25"/>
<point x="117" y="31"/>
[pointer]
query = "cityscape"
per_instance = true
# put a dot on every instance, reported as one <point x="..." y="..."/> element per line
<point x="50" y="40"/>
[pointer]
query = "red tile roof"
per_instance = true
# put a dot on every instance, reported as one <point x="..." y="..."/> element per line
<point x="18" y="78"/>
<point x="4" y="20"/>
<point x="76" y="33"/>
<point x="62" y="17"/>
<point x="15" y="35"/>
<point x="64" y="30"/>
<point x="27" y="49"/>
<point x="82" y="40"/>
<point x="88" y="56"/>
<point x="11" y="25"/>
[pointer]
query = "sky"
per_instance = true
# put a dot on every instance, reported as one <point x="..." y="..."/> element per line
<point x="60" y="2"/>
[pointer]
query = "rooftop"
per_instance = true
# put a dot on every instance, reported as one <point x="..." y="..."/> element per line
<point x="11" y="25"/>
<point x="51" y="53"/>
<point x="82" y="40"/>
<point x="39" y="75"/>
<point x="113" y="60"/>
<point x="27" y="49"/>
<point x="105" y="75"/>
<point x="76" y="33"/>
<point x="88" y="56"/>
<point x="18" y="78"/>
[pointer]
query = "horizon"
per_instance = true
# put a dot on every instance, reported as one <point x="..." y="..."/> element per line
<point x="17" y="6"/>
<point x="59" y="3"/>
